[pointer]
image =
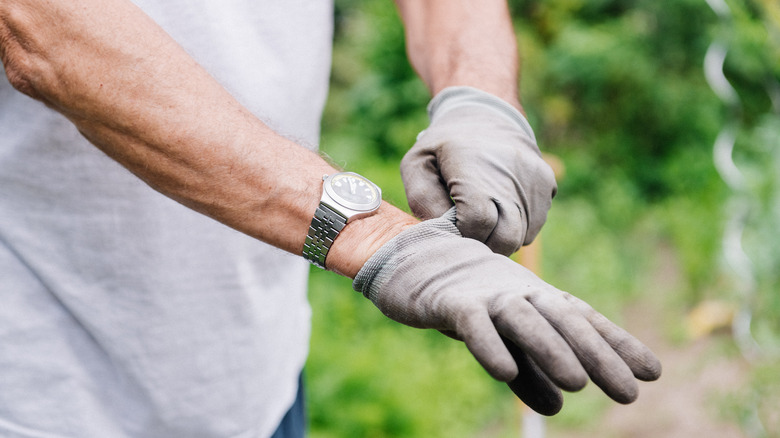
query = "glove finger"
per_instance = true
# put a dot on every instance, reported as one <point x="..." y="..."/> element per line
<point x="426" y="191"/>
<point x="607" y="370"/>
<point x="477" y="331"/>
<point x="520" y="322"/>
<point x="500" y="225"/>
<point x="538" y="196"/>
<point x="509" y="232"/>
<point x="531" y="385"/>
<point x="477" y="215"/>
<point x="639" y="358"/>
<point x="451" y="334"/>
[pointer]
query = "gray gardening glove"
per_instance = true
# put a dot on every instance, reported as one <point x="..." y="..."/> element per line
<point x="480" y="154"/>
<point x="521" y="330"/>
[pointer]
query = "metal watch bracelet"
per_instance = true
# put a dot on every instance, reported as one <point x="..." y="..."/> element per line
<point x="325" y="226"/>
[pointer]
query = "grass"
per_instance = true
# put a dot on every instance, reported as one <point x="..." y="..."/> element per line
<point x="369" y="376"/>
<point x="603" y="241"/>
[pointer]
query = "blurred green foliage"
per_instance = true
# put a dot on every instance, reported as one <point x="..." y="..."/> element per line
<point x="615" y="89"/>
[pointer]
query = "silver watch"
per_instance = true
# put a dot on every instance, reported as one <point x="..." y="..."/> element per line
<point x="346" y="196"/>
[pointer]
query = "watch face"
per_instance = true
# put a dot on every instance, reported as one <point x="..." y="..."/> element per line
<point x="353" y="191"/>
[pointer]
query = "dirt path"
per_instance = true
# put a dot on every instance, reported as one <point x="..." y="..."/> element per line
<point x="688" y="400"/>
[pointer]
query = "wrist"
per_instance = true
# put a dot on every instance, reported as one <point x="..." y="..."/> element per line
<point x="454" y="97"/>
<point x="507" y="95"/>
<point x="361" y="238"/>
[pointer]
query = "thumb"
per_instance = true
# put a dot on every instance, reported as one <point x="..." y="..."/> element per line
<point x="426" y="190"/>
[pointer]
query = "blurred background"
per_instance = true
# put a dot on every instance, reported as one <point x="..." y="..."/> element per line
<point x="664" y="120"/>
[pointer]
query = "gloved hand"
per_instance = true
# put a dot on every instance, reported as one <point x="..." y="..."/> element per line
<point x="480" y="154"/>
<point x="521" y="330"/>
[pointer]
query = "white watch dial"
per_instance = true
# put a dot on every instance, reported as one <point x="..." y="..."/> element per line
<point x="354" y="189"/>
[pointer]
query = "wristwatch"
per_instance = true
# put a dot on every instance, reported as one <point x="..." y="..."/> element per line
<point x="346" y="196"/>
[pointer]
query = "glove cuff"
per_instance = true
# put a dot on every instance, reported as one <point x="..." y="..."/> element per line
<point x="455" y="97"/>
<point x="375" y="272"/>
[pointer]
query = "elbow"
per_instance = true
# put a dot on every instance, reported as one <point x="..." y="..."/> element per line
<point x="22" y="67"/>
<point x="20" y="70"/>
<point x="21" y="78"/>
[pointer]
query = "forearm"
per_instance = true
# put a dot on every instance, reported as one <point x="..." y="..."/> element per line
<point x="459" y="42"/>
<point x="135" y="94"/>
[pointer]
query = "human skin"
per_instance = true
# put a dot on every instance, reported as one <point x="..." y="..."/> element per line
<point x="187" y="137"/>
<point x="140" y="98"/>
<point x="461" y="42"/>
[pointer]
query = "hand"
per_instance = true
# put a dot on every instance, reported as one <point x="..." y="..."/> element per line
<point x="521" y="330"/>
<point x="480" y="154"/>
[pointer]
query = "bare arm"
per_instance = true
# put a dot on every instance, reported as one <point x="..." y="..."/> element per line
<point x="461" y="42"/>
<point x="466" y="52"/>
<point x="135" y="94"/>
<point x="140" y="98"/>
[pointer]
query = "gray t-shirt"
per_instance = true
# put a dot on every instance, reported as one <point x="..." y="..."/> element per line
<point x="123" y="313"/>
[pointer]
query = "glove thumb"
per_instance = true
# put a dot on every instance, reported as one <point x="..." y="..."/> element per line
<point x="426" y="190"/>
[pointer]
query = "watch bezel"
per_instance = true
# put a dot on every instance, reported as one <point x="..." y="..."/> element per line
<point x="357" y="207"/>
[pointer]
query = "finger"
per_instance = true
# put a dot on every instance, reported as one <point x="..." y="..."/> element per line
<point x="477" y="331"/>
<point x="607" y="370"/>
<point x="509" y="232"/>
<point x="639" y="358"/>
<point x="426" y="191"/>
<point x="516" y="319"/>
<point x="451" y="334"/>
<point x="537" y="198"/>
<point x="531" y="385"/>
<point x="498" y="223"/>
<point x="477" y="214"/>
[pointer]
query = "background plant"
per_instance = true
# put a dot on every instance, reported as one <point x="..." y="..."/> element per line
<point x="615" y="89"/>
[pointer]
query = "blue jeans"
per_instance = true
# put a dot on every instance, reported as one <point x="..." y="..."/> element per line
<point x="293" y="424"/>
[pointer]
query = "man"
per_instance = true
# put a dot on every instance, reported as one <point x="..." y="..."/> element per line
<point x="127" y="314"/>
